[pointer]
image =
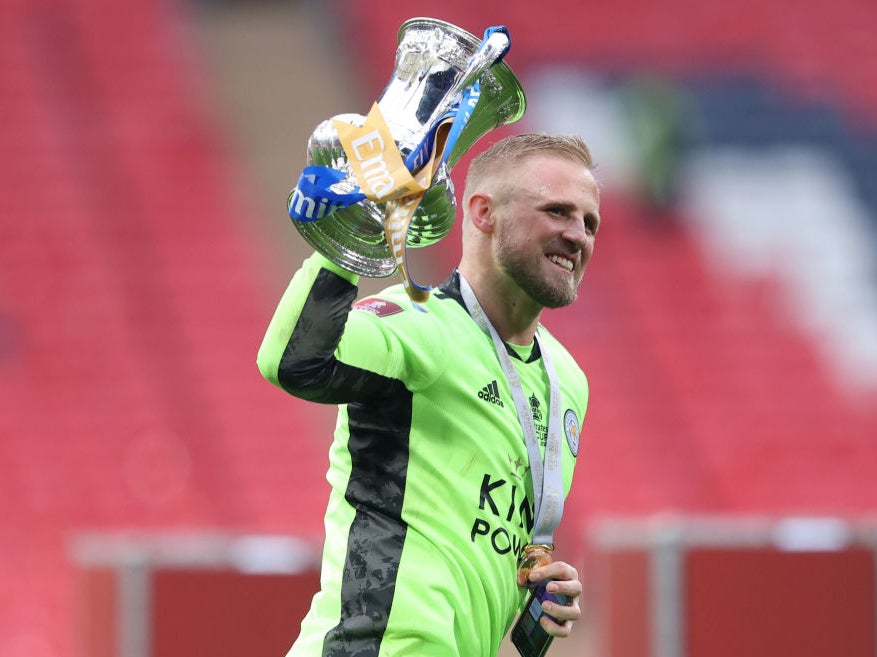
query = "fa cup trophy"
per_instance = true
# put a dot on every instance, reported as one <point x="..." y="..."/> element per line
<point x="380" y="183"/>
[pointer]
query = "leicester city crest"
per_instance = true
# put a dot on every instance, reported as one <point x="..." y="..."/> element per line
<point x="571" y="429"/>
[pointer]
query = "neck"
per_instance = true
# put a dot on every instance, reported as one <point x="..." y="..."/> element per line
<point x="513" y="314"/>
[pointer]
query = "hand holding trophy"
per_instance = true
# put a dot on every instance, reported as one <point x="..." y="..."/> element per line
<point x="377" y="184"/>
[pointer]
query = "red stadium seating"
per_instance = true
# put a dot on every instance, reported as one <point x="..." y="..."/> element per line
<point x="130" y="312"/>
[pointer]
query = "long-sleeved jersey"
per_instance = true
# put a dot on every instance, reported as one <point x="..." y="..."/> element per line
<point x="431" y="498"/>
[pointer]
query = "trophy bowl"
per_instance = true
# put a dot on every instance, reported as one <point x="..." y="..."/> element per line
<point x="432" y="59"/>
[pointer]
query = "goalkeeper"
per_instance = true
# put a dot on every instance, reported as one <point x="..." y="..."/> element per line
<point x="458" y="423"/>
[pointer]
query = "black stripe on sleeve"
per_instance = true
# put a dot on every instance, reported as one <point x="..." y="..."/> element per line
<point x="378" y="445"/>
<point x="379" y="422"/>
<point x="308" y="368"/>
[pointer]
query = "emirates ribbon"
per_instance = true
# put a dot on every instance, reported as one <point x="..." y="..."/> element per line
<point x="313" y="197"/>
<point x="383" y="176"/>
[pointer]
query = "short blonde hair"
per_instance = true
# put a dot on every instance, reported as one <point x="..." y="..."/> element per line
<point x="511" y="150"/>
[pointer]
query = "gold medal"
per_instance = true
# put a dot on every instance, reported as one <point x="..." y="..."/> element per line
<point x="532" y="557"/>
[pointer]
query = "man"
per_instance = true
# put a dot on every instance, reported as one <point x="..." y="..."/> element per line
<point x="432" y="465"/>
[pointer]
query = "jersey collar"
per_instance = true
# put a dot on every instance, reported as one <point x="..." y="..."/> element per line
<point x="450" y="289"/>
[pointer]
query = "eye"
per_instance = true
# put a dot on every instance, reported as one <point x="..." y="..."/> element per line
<point x="592" y="223"/>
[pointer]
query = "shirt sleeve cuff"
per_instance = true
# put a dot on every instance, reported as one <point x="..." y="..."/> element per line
<point x="325" y="263"/>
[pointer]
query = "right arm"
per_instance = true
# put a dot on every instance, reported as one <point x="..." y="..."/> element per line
<point x="298" y="350"/>
<point x="317" y="349"/>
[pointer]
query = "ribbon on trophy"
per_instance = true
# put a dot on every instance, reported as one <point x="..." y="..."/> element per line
<point x="383" y="176"/>
<point x="378" y="166"/>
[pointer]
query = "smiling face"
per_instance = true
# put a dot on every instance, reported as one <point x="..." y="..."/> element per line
<point x="546" y="216"/>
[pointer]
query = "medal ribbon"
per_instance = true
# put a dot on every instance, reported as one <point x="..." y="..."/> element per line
<point x="547" y="474"/>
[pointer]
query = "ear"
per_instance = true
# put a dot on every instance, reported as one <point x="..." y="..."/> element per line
<point x="481" y="212"/>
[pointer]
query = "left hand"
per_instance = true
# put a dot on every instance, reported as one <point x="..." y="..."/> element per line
<point x="566" y="583"/>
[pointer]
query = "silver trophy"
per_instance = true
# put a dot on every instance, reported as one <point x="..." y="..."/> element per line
<point x="435" y="62"/>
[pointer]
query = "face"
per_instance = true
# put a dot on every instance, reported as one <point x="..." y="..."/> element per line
<point x="546" y="220"/>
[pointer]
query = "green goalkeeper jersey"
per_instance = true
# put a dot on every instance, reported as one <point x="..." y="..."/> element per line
<point x="431" y="497"/>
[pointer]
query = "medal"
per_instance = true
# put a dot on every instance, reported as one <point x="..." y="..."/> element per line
<point x="532" y="557"/>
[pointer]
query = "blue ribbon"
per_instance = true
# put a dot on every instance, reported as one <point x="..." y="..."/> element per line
<point x="467" y="105"/>
<point x="420" y="155"/>
<point x="313" y="198"/>
<point x="471" y="95"/>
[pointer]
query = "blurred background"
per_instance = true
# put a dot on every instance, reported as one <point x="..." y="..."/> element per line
<point x="725" y="496"/>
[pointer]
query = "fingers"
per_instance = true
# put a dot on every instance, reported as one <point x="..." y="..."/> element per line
<point x="559" y="630"/>
<point x="566" y="578"/>
<point x="565" y="582"/>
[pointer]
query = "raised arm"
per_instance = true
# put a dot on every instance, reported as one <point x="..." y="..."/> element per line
<point x="298" y="350"/>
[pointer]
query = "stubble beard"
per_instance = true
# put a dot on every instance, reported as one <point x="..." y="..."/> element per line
<point x="527" y="274"/>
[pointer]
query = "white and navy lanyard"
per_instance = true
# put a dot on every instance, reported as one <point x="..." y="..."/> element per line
<point x="547" y="476"/>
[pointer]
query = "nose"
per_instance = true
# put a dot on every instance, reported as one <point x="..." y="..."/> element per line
<point x="575" y="233"/>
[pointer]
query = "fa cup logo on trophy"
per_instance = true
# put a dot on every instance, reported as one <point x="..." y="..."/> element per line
<point x="378" y="184"/>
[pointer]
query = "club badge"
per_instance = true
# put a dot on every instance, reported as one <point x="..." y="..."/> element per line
<point x="571" y="429"/>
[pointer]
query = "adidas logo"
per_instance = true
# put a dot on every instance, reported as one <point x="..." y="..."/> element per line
<point x="490" y="393"/>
